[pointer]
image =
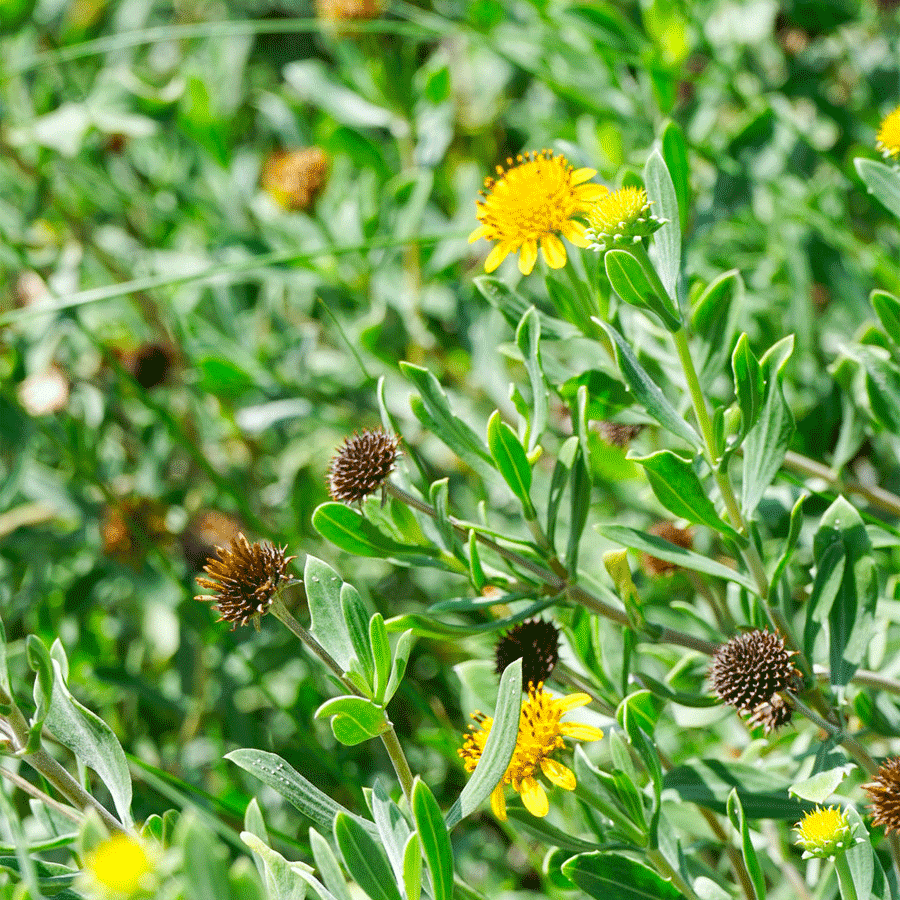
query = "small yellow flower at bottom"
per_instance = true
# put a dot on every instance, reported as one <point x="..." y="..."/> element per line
<point x="117" y="868"/>
<point x="529" y="204"/>
<point x="824" y="832"/>
<point x="888" y="137"/>
<point x="540" y="735"/>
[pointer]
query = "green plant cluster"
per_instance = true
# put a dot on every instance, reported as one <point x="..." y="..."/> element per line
<point x="233" y="233"/>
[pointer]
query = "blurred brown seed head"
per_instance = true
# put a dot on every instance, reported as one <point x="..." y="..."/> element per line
<point x="207" y="530"/>
<point x="362" y="465"/>
<point x="244" y="579"/>
<point x="751" y="668"/>
<point x="347" y="10"/>
<point x="617" y="434"/>
<point x="151" y="364"/>
<point x="130" y="525"/>
<point x="294" y="178"/>
<point x="536" y="643"/>
<point x="884" y="792"/>
<point x="681" y="537"/>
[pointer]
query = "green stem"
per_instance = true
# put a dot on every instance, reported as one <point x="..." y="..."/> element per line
<point x="845" y="879"/>
<point x="388" y="738"/>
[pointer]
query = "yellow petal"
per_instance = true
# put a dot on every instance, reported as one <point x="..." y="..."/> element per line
<point x="564" y="704"/>
<point x="591" y="192"/>
<point x="498" y="802"/>
<point x="580" y="175"/>
<point x="554" y="251"/>
<point x="496" y="256"/>
<point x="527" y="257"/>
<point x="574" y="233"/>
<point x="534" y="797"/>
<point x="480" y="232"/>
<point x="558" y="774"/>
<point x="580" y="732"/>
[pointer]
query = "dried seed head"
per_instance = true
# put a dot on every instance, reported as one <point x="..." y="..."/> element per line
<point x="244" y="579"/>
<point x="617" y="434"/>
<point x="536" y="643"/>
<point x="362" y="465"/>
<point x="207" y="530"/>
<point x="771" y="715"/>
<point x="151" y="364"/>
<point x="884" y="792"/>
<point x="751" y="668"/>
<point x="347" y="10"/>
<point x="295" y="178"/>
<point x="681" y="537"/>
<point x="130" y="525"/>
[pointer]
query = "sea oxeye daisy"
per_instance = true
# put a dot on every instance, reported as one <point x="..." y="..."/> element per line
<point x="540" y="735"/>
<point x="884" y="792"/>
<point x="530" y="202"/>
<point x="751" y="668"/>
<point x="536" y="643"/>
<point x="244" y="579"/>
<point x="620" y="218"/>
<point x="362" y="465"/>
<point x="824" y="832"/>
<point x="119" y="867"/>
<point x="888" y="138"/>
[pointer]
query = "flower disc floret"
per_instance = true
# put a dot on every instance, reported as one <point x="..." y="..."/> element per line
<point x="620" y="218"/>
<point x="529" y="204"/>
<point x="119" y="867"/>
<point x="824" y="832"/>
<point x="888" y="138"/>
<point x="541" y="734"/>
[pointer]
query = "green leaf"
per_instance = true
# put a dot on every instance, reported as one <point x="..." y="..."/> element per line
<point x="845" y="592"/>
<point x="708" y="782"/>
<point x="381" y="653"/>
<point x="712" y="318"/>
<point x="206" y="877"/>
<point x="666" y="241"/>
<point x="412" y="867"/>
<point x="767" y="442"/>
<point x="630" y="282"/>
<point x="5" y="689"/>
<point x="647" y="393"/>
<point x="883" y="391"/>
<point x="748" y="383"/>
<point x="364" y="859"/>
<point x="790" y="543"/>
<point x="354" y="719"/>
<point x="435" y="414"/>
<point x="736" y="816"/>
<point x="272" y="770"/>
<point x="398" y="667"/>
<point x="282" y="881"/>
<point x="887" y="308"/>
<point x="328" y="866"/>
<point x="678" y="488"/>
<point x="435" y="840"/>
<point x="514" y="306"/>
<point x="356" y="616"/>
<point x="509" y="454"/>
<point x="323" y="594"/>
<point x="566" y="458"/>
<point x="674" y="152"/>
<point x="865" y="869"/>
<point x="821" y="786"/>
<point x="528" y="340"/>
<point x="353" y="533"/>
<point x="611" y="875"/>
<point x="688" y="559"/>
<point x="498" y="749"/>
<point x="88" y="737"/>
<point x="882" y="181"/>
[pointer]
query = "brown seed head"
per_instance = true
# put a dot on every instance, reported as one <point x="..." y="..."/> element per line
<point x="884" y="792"/>
<point x="151" y="364"/>
<point x="207" y="530"/>
<point x="343" y="10"/>
<point x="294" y="178"/>
<point x="751" y="668"/>
<point x="681" y="537"/>
<point x="617" y="434"/>
<point x="130" y="525"/>
<point x="771" y="715"/>
<point x="244" y="579"/>
<point x="536" y="643"/>
<point x="362" y="465"/>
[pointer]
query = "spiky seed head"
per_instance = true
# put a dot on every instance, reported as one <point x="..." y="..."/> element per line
<point x="536" y="643"/>
<point x="771" y="715"/>
<point x="244" y="579"/>
<point x="681" y="537"/>
<point x="884" y="792"/>
<point x="362" y="465"/>
<point x="617" y="434"/>
<point x="751" y="668"/>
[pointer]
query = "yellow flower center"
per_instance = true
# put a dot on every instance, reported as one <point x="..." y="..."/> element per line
<point x="618" y="210"/>
<point x="888" y="138"/>
<point x="823" y="831"/>
<point x="118" y="865"/>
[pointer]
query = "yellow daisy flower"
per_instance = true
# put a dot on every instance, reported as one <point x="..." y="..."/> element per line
<point x="888" y="137"/>
<point x="621" y="217"/>
<point x="540" y="735"/>
<point x="824" y="832"/>
<point x="117" y="868"/>
<point x="531" y="202"/>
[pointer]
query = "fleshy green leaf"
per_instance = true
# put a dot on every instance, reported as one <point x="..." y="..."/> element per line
<point x="611" y="875"/>
<point x="882" y="181"/>
<point x="323" y="593"/>
<point x="356" y="616"/>
<point x="528" y="339"/>
<point x="353" y="533"/>
<point x="398" y="667"/>
<point x="328" y="866"/>
<point x="353" y="719"/>
<point x="282" y="881"/>
<point x="674" y="152"/>
<point x="412" y="867"/>
<point x="748" y="383"/>
<point x="821" y="786"/>
<point x="887" y="308"/>
<point x="435" y="840"/>
<point x="512" y="463"/>
<point x="631" y="283"/>
<point x="381" y="654"/>
<point x="364" y="859"/>
<point x="736" y="816"/>
<point x="666" y="241"/>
